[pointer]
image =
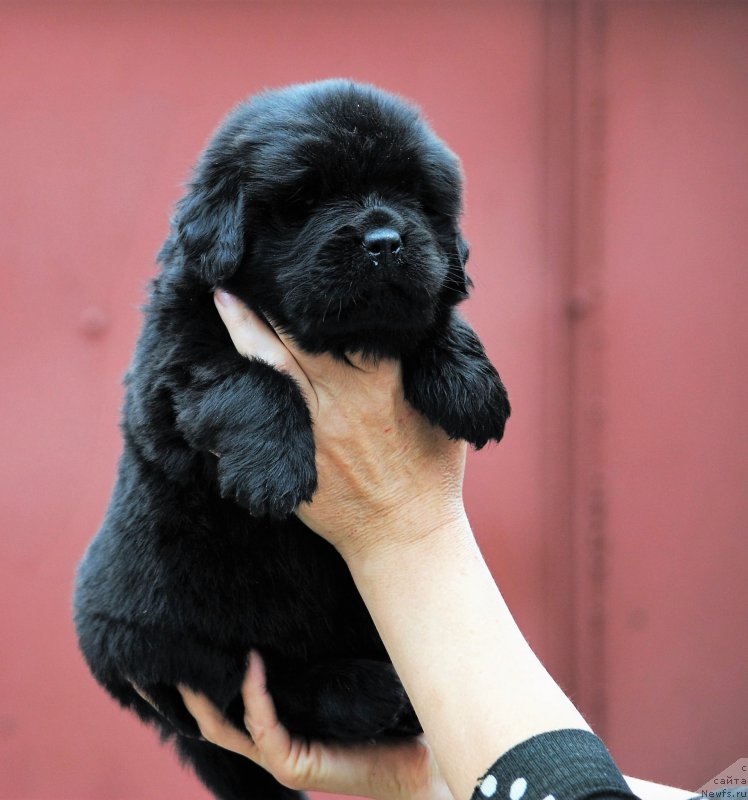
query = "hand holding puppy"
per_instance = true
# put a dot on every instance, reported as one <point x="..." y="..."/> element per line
<point x="386" y="475"/>
<point x="397" y="770"/>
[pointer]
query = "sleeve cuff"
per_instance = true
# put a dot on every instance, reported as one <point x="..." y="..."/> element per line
<point x="569" y="764"/>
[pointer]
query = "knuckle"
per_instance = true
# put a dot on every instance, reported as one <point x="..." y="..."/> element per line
<point x="292" y="778"/>
<point x="293" y="769"/>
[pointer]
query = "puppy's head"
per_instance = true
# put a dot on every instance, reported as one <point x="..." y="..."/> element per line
<point x="333" y="208"/>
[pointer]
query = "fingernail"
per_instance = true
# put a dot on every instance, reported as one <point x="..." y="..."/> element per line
<point x="224" y="298"/>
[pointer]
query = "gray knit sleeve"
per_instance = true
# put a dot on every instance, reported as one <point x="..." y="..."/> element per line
<point x="570" y="764"/>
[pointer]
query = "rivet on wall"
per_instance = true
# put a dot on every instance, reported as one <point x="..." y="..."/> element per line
<point x="93" y="322"/>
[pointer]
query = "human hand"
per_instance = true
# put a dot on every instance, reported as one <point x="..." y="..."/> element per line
<point x="385" y="474"/>
<point x="401" y="770"/>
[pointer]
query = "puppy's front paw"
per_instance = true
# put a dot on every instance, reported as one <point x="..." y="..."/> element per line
<point x="256" y="421"/>
<point x="268" y="476"/>
<point x="484" y="410"/>
<point x="468" y="404"/>
<point x="454" y="385"/>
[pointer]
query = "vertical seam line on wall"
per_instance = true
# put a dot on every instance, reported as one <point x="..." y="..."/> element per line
<point x="587" y="361"/>
<point x="557" y="226"/>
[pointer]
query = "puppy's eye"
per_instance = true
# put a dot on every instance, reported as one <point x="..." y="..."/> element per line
<point x="435" y="212"/>
<point x="298" y="206"/>
<point x="433" y="206"/>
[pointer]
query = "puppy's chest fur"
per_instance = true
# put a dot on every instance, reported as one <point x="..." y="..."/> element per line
<point x="200" y="558"/>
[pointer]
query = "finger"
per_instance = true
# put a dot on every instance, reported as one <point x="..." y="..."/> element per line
<point x="250" y="335"/>
<point x="259" y="715"/>
<point x="215" y="728"/>
<point x="253" y="338"/>
<point x="295" y="763"/>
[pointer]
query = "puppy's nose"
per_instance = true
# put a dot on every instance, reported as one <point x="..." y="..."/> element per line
<point x="383" y="245"/>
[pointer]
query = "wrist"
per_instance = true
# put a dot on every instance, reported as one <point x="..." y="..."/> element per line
<point x="409" y="531"/>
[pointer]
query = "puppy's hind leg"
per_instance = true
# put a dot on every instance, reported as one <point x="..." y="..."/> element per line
<point x="230" y="776"/>
<point x="347" y="699"/>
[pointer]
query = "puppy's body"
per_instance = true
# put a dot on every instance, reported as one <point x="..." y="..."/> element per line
<point x="333" y="209"/>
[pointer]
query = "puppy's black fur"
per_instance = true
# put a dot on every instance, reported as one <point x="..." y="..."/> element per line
<point x="333" y="209"/>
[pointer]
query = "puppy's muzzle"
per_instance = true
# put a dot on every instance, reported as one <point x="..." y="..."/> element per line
<point x="383" y="246"/>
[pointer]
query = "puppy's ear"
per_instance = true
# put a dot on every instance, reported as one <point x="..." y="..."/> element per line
<point x="209" y="225"/>
<point x="458" y="283"/>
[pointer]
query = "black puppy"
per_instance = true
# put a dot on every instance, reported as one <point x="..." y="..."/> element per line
<point x="331" y="208"/>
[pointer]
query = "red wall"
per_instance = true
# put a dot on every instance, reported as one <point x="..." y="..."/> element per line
<point x="605" y="146"/>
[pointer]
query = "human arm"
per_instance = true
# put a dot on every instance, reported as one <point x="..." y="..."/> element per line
<point x="390" y="500"/>
<point x="395" y="513"/>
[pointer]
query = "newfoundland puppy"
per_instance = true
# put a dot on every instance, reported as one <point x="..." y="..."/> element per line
<point x="332" y="209"/>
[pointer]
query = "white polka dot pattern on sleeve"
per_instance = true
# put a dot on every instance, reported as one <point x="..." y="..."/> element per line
<point x="517" y="789"/>
<point x="569" y="764"/>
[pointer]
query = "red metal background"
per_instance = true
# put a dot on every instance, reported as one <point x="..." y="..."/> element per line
<point x="606" y="150"/>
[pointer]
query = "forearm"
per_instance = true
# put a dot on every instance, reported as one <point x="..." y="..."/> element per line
<point x="475" y="683"/>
